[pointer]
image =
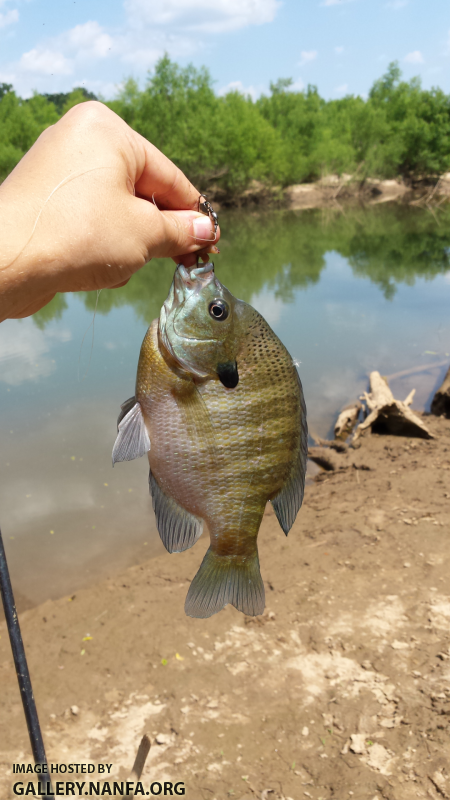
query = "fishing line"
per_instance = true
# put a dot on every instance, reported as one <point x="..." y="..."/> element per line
<point x="92" y="342"/>
<point x="65" y="180"/>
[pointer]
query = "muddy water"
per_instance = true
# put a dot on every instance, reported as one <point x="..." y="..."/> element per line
<point x="347" y="293"/>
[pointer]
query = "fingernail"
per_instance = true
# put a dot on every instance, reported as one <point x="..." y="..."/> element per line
<point x="203" y="229"/>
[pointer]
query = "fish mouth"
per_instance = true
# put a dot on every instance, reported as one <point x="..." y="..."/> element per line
<point x="186" y="283"/>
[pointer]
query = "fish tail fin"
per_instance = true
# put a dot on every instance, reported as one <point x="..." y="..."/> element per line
<point x="226" y="579"/>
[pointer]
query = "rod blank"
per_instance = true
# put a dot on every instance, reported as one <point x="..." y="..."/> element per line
<point x="20" y="662"/>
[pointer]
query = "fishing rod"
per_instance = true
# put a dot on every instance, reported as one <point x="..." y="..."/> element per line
<point x="22" y="672"/>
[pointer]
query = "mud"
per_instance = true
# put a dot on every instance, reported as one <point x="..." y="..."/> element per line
<point x="341" y="689"/>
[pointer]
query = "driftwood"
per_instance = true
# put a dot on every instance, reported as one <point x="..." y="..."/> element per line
<point x="335" y="444"/>
<point x="441" y="400"/>
<point x="388" y="414"/>
<point x="324" y="458"/>
<point x="347" y="419"/>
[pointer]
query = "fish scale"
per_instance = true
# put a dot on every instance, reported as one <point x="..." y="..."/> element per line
<point x="221" y="403"/>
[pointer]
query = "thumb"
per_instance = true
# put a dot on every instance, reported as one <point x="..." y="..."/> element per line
<point x="167" y="234"/>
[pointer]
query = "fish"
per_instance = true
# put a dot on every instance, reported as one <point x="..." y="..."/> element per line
<point x="219" y="408"/>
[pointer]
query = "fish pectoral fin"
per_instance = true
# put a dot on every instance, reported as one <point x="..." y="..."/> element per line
<point x="287" y="502"/>
<point x="197" y="419"/>
<point x="132" y="439"/>
<point x="226" y="579"/>
<point x="178" y="529"/>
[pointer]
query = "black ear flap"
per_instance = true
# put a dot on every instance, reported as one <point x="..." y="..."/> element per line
<point x="228" y="374"/>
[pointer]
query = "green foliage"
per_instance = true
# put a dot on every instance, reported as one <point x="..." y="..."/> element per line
<point x="225" y="143"/>
<point x="65" y="100"/>
<point x="21" y="122"/>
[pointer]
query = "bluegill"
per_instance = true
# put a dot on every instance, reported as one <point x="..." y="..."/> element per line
<point x="219" y="398"/>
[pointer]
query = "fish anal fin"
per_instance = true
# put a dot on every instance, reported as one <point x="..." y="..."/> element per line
<point x="178" y="529"/>
<point x="226" y="579"/>
<point x="287" y="502"/>
<point x="132" y="439"/>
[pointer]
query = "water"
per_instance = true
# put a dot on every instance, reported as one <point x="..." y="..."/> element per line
<point x="346" y="292"/>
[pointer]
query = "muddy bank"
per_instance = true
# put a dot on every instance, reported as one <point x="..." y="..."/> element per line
<point x="333" y="190"/>
<point x="342" y="686"/>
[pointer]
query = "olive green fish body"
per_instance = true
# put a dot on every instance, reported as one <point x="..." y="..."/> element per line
<point x="219" y="454"/>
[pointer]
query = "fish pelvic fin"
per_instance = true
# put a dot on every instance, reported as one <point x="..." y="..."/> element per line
<point x="178" y="529"/>
<point x="226" y="579"/>
<point x="287" y="502"/>
<point x="132" y="439"/>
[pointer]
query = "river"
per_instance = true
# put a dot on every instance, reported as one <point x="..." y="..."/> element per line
<point x="347" y="291"/>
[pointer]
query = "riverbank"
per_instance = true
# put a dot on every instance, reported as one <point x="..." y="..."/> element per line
<point x="342" y="686"/>
<point x="334" y="190"/>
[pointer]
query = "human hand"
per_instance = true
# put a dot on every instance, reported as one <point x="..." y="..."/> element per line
<point x="76" y="213"/>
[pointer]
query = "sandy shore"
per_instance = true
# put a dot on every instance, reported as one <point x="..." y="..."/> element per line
<point x="342" y="686"/>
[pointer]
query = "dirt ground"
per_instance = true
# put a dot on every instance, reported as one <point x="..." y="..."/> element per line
<point x="342" y="688"/>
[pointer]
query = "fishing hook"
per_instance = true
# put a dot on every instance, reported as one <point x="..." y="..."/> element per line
<point x="205" y="207"/>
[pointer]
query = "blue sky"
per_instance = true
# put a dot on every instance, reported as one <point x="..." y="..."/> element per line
<point x="342" y="46"/>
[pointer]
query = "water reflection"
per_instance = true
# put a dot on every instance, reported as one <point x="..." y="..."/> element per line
<point x="347" y="293"/>
<point x="281" y="251"/>
<point x="24" y="351"/>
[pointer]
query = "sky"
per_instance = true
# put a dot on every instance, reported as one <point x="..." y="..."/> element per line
<point x="341" y="46"/>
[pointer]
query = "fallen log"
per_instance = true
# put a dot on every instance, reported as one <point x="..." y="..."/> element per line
<point x="388" y="414"/>
<point x="441" y="401"/>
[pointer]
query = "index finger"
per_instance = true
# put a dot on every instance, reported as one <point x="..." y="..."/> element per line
<point x="162" y="181"/>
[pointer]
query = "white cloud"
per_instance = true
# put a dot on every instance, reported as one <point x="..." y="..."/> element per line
<point x="61" y="55"/>
<point x="415" y="57"/>
<point x="396" y="4"/>
<point x="149" y="30"/>
<point x="335" y="2"/>
<point x="210" y="16"/>
<point x="45" y="62"/>
<point x="9" y="18"/>
<point x="339" y="50"/>
<point x="341" y="89"/>
<point x="89" y="40"/>
<point x="143" y="57"/>
<point x="307" y="55"/>
<point x="237" y="86"/>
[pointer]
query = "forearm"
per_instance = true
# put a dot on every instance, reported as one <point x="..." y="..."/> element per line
<point x="24" y="285"/>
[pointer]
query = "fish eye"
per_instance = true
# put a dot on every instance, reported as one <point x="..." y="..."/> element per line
<point x="219" y="310"/>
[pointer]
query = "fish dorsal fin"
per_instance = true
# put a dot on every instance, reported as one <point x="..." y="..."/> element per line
<point x="132" y="439"/>
<point x="178" y="529"/>
<point x="287" y="502"/>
